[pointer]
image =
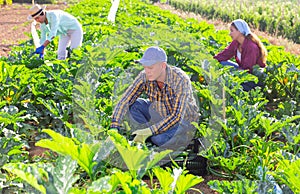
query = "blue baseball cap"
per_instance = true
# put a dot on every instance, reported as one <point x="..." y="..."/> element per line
<point x="152" y="55"/>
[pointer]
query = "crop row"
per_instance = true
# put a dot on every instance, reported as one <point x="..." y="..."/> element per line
<point x="71" y="101"/>
<point x="279" y="18"/>
<point x="5" y="2"/>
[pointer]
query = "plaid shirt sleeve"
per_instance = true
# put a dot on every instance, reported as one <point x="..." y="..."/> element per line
<point x="182" y="90"/>
<point x="128" y="98"/>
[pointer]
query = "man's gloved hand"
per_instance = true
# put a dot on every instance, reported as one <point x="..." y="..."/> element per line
<point x="114" y="129"/>
<point x="40" y="50"/>
<point x="142" y="135"/>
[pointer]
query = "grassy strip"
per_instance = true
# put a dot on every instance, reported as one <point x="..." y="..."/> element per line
<point x="279" y="18"/>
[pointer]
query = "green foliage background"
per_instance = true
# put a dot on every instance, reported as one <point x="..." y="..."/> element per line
<point x="279" y="18"/>
<point x="258" y="132"/>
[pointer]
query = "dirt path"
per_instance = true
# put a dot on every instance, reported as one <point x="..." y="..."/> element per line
<point x="14" y="26"/>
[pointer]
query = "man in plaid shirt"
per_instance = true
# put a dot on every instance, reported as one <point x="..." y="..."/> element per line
<point x="170" y="106"/>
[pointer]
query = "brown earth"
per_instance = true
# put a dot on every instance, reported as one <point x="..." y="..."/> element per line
<point x="14" y="26"/>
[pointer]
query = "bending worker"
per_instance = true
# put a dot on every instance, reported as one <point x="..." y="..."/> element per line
<point x="57" y="23"/>
<point x="247" y="50"/>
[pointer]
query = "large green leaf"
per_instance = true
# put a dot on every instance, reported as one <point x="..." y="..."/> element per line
<point x="139" y="161"/>
<point x="81" y="152"/>
<point x="136" y="160"/>
<point x="289" y="173"/>
<point x="63" y="174"/>
<point x="165" y="178"/>
<point x="29" y="173"/>
<point x="101" y="185"/>
<point x="47" y="178"/>
<point x="186" y="181"/>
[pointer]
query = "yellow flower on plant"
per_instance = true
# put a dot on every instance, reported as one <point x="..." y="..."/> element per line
<point x="8" y="98"/>
<point x="201" y="79"/>
<point x="201" y="99"/>
<point x="285" y="80"/>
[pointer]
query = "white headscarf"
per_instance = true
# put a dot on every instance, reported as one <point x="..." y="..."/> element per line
<point x="242" y="26"/>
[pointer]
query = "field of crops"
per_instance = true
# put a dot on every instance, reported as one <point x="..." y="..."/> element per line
<point x="280" y="18"/>
<point x="250" y="139"/>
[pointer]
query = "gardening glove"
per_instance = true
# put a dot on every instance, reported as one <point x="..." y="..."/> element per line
<point x="42" y="56"/>
<point x="142" y="135"/>
<point x="114" y="129"/>
<point x="40" y="50"/>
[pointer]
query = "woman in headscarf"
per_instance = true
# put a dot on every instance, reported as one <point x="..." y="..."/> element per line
<point x="57" y="23"/>
<point x="246" y="47"/>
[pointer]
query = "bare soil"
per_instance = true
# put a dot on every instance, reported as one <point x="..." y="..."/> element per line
<point x="14" y="25"/>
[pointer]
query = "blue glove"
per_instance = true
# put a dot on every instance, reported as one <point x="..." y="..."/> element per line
<point x="40" y="50"/>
